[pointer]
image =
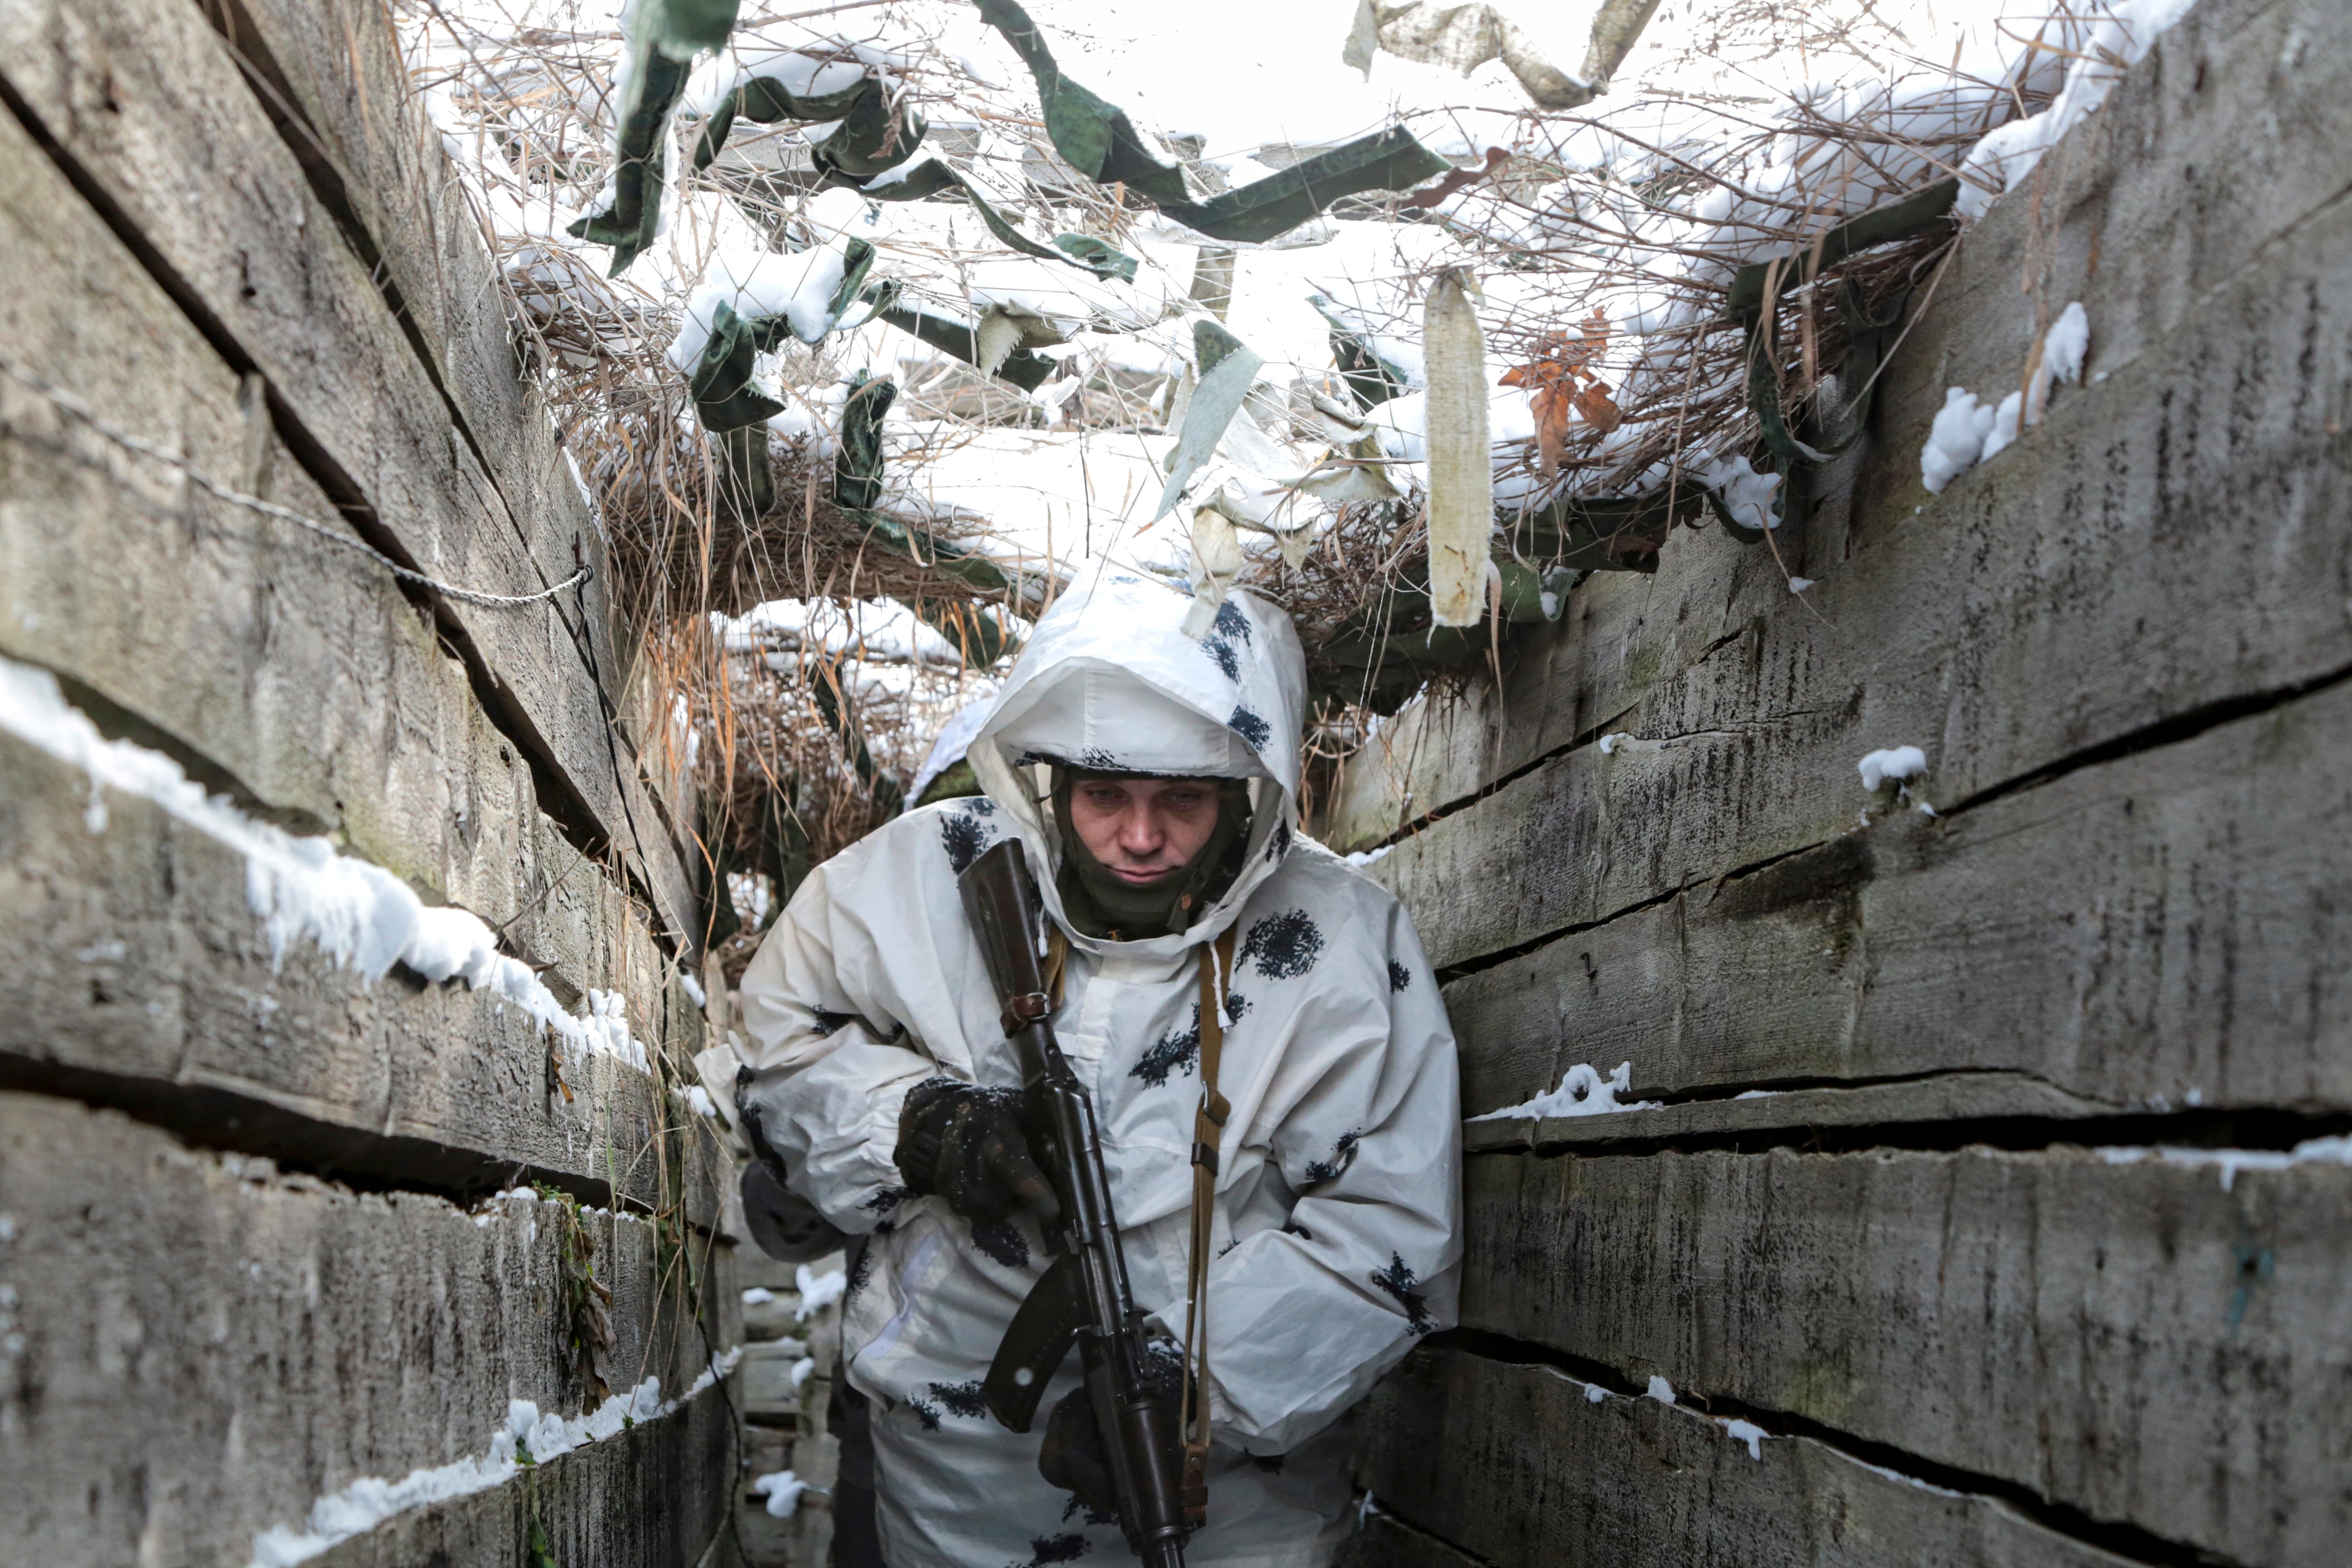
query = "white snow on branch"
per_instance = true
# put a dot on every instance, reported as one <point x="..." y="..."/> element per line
<point x="2115" y="42"/>
<point x="1582" y="1092"/>
<point x="525" y="1435"/>
<point x="2229" y="1162"/>
<point x="1745" y="494"/>
<point x="356" y="912"/>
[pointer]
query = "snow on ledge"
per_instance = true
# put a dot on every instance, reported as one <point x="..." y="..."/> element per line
<point x="2228" y="1163"/>
<point x="357" y="912"/>
<point x="1582" y="1092"/>
<point x="525" y="1435"/>
<point x="1891" y="765"/>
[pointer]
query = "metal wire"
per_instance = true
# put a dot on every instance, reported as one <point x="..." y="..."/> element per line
<point x="69" y="404"/>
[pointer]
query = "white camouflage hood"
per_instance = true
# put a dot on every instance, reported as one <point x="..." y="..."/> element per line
<point x="1110" y="681"/>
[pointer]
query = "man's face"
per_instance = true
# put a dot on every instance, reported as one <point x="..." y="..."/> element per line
<point x="1144" y="828"/>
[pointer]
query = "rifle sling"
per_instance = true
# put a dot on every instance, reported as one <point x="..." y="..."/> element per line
<point x="1208" y="1135"/>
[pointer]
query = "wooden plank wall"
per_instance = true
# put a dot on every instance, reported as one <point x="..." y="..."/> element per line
<point x="1880" y="1277"/>
<point x="250" y="1253"/>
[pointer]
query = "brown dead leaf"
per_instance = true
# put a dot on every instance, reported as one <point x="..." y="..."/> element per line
<point x="1564" y="385"/>
<point x="1593" y="403"/>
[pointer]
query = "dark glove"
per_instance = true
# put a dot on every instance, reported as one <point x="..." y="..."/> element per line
<point x="786" y="1227"/>
<point x="1074" y="1458"/>
<point x="965" y="1145"/>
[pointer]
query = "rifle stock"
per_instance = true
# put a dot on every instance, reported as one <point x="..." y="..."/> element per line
<point x="1084" y="1297"/>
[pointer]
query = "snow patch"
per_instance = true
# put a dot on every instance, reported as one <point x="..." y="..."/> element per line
<point x="1660" y="1390"/>
<point x="758" y="1296"/>
<point x="2067" y="343"/>
<point x="2115" y="42"/>
<point x="2008" y="424"/>
<point x="1746" y="1432"/>
<point x="782" y="1490"/>
<point x="2228" y="1163"/>
<point x="1582" y="1093"/>
<point x="1745" y="494"/>
<point x="527" y="1433"/>
<point x="818" y="1291"/>
<point x="1967" y="432"/>
<point x="356" y="912"/>
<point x="1955" y="441"/>
<point x="1884" y="767"/>
<point x="1366" y="857"/>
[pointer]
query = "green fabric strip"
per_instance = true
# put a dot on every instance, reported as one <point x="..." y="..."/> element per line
<point x="1093" y="137"/>
<point x="888" y="792"/>
<point x="628" y="225"/>
<point x="1023" y="368"/>
<point x="1899" y="220"/>
<point x="1373" y="379"/>
<point x="1388" y="159"/>
<point x="933" y="175"/>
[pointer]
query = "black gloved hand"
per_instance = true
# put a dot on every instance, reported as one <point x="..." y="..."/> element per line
<point x="785" y="1225"/>
<point x="1074" y="1458"/>
<point x="965" y="1145"/>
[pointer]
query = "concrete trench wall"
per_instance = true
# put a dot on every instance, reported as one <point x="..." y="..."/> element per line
<point x="1883" y="1240"/>
<point x="250" y="1254"/>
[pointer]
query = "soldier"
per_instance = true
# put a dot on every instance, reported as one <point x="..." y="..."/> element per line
<point x="1153" y="777"/>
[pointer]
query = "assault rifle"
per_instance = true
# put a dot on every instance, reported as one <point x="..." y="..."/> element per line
<point x="1084" y="1296"/>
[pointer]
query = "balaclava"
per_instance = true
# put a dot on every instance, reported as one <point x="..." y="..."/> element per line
<point x="1101" y="904"/>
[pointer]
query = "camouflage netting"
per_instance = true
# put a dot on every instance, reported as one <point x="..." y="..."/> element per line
<point x="814" y="309"/>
